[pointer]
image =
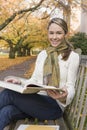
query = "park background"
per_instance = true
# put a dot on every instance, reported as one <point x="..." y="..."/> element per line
<point x="23" y="33"/>
<point x="23" y="27"/>
<point x="23" y="24"/>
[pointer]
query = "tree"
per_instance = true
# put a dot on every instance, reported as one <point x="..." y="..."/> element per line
<point x="23" y="30"/>
<point x="13" y="36"/>
<point x="24" y="35"/>
<point x="12" y="17"/>
<point x="12" y="49"/>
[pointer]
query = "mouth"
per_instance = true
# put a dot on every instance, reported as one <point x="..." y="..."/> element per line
<point x="54" y="42"/>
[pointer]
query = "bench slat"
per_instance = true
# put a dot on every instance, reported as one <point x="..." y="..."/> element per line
<point x="76" y="113"/>
<point x="81" y="103"/>
<point x="84" y="114"/>
<point x="78" y="89"/>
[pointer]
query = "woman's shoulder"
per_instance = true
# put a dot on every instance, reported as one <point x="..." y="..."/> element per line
<point x="74" y="55"/>
<point x="42" y="53"/>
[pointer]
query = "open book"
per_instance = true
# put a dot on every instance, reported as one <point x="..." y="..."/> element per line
<point x="27" y="87"/>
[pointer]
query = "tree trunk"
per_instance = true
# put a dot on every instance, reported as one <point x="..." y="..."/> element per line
<point x="28" y="52"/>
<point x="12" y="55"/>
<point x="19" y="52"/>
<point x="24" y="52"/>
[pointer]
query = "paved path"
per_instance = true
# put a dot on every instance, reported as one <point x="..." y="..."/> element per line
<point x="17" y="70"/>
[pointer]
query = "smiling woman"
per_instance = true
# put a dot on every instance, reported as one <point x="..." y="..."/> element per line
<point x="54" y="66"/>
<point x="56" y="34"/>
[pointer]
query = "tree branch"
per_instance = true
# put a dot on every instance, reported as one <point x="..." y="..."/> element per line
<point x="6" y="39"/>
<point x="8" y="20"/>
<point x="62" y="4"/>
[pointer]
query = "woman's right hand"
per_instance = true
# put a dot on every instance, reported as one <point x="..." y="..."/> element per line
<point x="13" y="80"/>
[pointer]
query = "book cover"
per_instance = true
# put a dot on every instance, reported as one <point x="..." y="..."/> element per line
<point x="38" y="127"/>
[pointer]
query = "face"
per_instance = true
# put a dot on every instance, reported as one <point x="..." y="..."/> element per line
<point x="55" y="34"/>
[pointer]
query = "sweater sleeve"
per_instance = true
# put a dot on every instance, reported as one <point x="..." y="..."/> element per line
<point x="37" y="73"/>
<point x="71" y="77"/>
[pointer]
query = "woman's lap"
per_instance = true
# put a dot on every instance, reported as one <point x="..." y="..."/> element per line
<point x="35" y="105"/>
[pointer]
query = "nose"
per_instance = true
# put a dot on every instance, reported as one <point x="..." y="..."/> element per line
<point x="54" y="36"/>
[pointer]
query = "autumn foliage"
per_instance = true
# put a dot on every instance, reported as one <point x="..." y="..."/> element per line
<point x="6" y="62"/>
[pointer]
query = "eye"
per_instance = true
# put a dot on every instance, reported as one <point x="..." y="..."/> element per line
<point x="59" y="32"/>
<point x="51" y="32"/>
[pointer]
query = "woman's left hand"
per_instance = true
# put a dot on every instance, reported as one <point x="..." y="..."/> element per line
<point x="56" y="95"/>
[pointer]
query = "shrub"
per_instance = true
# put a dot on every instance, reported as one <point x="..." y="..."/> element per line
<point x="79" y="40"/>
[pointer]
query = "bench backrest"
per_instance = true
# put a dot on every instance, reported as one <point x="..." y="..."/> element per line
<point x="77" y="111"/>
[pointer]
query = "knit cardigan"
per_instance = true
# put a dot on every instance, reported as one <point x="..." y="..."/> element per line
<point x="68" y="74"/>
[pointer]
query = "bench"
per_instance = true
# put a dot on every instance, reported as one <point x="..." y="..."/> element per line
<point x="75" y="115"/>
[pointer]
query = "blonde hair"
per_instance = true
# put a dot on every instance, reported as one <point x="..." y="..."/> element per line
<point x="59" y="22"/>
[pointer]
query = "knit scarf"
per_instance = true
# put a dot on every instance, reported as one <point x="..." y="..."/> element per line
<point x="51" y="74"/>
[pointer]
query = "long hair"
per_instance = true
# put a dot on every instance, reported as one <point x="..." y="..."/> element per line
<point x="64" y="26"/>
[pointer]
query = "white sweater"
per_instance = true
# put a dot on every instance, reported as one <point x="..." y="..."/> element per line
<point x="68" y="74"/>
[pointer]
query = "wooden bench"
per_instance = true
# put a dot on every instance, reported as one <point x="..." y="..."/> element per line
<point x="75" y="115"/>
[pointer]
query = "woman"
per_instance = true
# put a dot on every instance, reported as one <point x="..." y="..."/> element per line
<point x="56" y="66"/>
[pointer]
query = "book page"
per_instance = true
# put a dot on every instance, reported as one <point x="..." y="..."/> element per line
<point x="28" y="88"/>
<point x="41" y="87"/>
<point x="11" y="86"/>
